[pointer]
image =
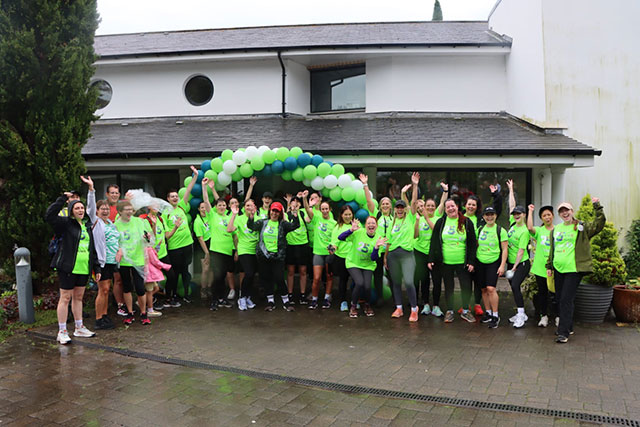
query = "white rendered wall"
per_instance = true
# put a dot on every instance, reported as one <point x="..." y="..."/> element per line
<point x="471" y="83"/>
<point x="240" y="87"/>
<point x="298" y="88"/>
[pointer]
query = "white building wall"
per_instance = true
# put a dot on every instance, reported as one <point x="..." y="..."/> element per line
<point x="470" y="83"/>
<point x="298" y="92"/>
<point x="157" y="90"/>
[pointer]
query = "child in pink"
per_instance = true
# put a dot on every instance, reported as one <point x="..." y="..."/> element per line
<point x="152" y="275"/>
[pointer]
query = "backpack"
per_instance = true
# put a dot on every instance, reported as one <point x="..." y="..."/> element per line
<point x="54" y="245"/>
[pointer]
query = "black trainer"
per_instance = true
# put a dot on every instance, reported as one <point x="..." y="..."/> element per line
<point x="495" y="321"/>
<point x="303" y="299"/>
<point x="214" y="306"/>
<point x="270" y="307"/>
<point x="486" y="318"/>
<point x="225" y="303"/>
<point x="288" y="306"/>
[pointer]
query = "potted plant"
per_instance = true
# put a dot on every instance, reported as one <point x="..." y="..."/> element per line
<point x="626" y="298"/>
<point x="595" y="293"/>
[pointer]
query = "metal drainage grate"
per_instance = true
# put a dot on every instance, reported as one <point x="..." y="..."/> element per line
<point x="327" y="385"/>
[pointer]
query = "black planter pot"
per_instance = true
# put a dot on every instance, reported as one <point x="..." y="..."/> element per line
<point x="592" y="303"/>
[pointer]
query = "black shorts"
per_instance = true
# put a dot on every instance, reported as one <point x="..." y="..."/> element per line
<point x="487" y="274"/>
<point x="298" y="255"/>
<point x="69" y="281"/>
<point x="108" y="271"/>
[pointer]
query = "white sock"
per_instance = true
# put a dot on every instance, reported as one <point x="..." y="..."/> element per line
<point x="399" y="306"/>
<point x="62" y="326"/>
<point x="285" y="299"/>
<point x="78" y="324"/>
<point x="414" y="308"/>
<point x="520" y="310"/>
<point x="327" y="297"/>
<point x="464" y="311"/>
<point x="490" y="312"/>
<point x="314" y="298"/>
<point x="495" y="314"/>
<point x="270" y="298"/>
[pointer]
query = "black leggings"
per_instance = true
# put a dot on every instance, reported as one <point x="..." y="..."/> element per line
<point x="521" y="273"/>
<point x="362" y="281"/>
<point x="477" y="289"/>
<point x="271" y="275"/>
<point x="340" y="271"/>
<point x="566" y="288"/>
<point x="180" y="260"/>
<point x="220" y="264"/>
<point x="249" y="264"/>
<point x="421" y="278"/>
<point x="172" y="279"/>
<point x="448" y="271"/>
<point x="541" y="297"/>
<point x="132" y="279"/>
<point x="378" y="273"/>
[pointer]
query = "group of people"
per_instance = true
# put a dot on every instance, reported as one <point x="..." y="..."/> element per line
<point x="413" y="241"/>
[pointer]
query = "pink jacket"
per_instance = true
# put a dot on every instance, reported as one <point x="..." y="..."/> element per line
<point x="153" y="267"/>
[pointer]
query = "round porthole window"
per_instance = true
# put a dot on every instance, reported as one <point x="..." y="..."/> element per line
<point x="104" y="93"/>
<point x="199" y="90"/>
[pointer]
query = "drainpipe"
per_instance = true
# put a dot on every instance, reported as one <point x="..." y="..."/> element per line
<point x="284" y="80"/>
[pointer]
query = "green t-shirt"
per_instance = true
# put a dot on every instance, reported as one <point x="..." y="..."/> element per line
<point x="564" y="248"/>
<point x="270" y="236"/>
<point x="488" y="245"/>
<point x="132" y="240"/>
<point x="454" y="242"/>
<point x="82" y="256"/>
<point x="423" y="242"/>
<point x="518" y="239"/>
<point x="362" y="245"/>
<point x="261" y="214"/>
<point x="221" y="239"/>
<point x="247" y="238"/>
<point x="474" y="220"/>
<point x="182" y="236"/>
<point x="299" y="235"/>
<point x="542" y="237"/>
<point x="161" y="241"/>
<point x="201" y="227"/>
<point x="401" y="231"/>
<point x="384" y="225"/>
<point x="322" y="233"/>
<point x="342" y="247"/>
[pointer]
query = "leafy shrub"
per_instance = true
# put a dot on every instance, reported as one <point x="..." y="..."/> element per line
<point x="9" y="305"/>
<point x="632" y="255"/>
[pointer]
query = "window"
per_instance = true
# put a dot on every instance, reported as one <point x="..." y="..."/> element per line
<point x="198" y="90"/>
<point x="104" y="93"/>
<point x="338" y="89"/>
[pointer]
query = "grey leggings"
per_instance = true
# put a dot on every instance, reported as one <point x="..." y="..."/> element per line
<point x="402" y="265"/>
<point x="362" y="280"/>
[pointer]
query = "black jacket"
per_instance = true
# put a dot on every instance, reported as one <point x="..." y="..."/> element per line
<point x="284" y="228"/>
<point x="435" y="250"/>
<point x="68" y="229"/>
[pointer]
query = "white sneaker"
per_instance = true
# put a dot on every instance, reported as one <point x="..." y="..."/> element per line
<point x="513" y="318"/>
<point x="557" y="322"/>
<point x="153" y="313"/>
<point x="63" y="337"/>
<point x="519" y="320"/>
<point x="242" y="304"/>
<point x="83" y="332"/>
<point x="250" y="303"/>
<point x="232" y="294"/>
<point x="544" y="322"/>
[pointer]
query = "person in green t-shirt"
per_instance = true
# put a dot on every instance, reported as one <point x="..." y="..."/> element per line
<point x="426" y="216"/>
<point x="340" y="251"/>
<point x="246" y="241"/>
<point x="542" y="237"/>
<point x="492" y="260"/>
<point x="203" y="235"/>
<point x="384" y="216"/>
<point x="298" y="249"/>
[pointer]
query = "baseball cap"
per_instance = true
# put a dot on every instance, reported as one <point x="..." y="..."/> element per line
<point x="566" y="205"/>
<point x="489" y="210"/>
<point x="518" y="209"/>
<point x="277" y="206"/>
<point x="268" y="194"/>
<point x="400" y="203"/>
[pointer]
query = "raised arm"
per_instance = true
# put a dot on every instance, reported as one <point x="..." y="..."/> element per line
<point x="252" y="183"/>
<point x="530" y="226"/>
<point x="415" y="180"/>
<point x="287" y="198"/>
<point x="234" y="212"/>
<point x="307" y="207"/>
<point x="206" y="182"/>
<point x="497" y="199"/>
<point x="443" y="198"/>
<point x="92" y="212"/>
<point x="512" y="197"/>
<point x="194" y="178"/>
<point x="403" y="193"/>
<point x="598" y="223"/>
<point x="371" y="206"/>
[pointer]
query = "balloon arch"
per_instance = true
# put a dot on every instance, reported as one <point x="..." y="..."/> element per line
<point x="290" y="164"/>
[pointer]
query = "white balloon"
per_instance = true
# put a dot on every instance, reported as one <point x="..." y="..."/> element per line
<point x="262" y="149"/>
<point x="239" y="157"/>
<point x="229" y="167"/>
<point x="344" y="181"/>
<point x="357" y="185"/>
<point x="317" y="183"/>
<point x="330" y="181"/>
<point x="251" y="152"/>
<point x="306" y="182"/>
<point x="223" y="178"/>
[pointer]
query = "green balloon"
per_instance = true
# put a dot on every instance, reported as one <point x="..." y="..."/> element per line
<point x="297" y="175"/>
<point x="337" y="170"/>
<point x="216" y="164"/>
<point x="287" y="175"/>
<point x="220" y="187"/>
<point x="210" y="192"/>
<point x="324" y="169"/>
<point x="269" y="157"/>
<point x="310" y="172"/>
<point x="246" y="170"/>
<point x="181" y="192"/>
<point x="352" y="176"/>
<point x="257" y="164"/>
<point x="326" y="192"/>
<point x="211" y="174"/>
<point x="361" y="198"/>
<point x="295" y="152"/>
<point x="386" y="292"/>
<point x="187" y="181"/>
<point x="282" y="153"/>
<point x="236" y="175"/>
<point x="226" y="155"/>
<point x="336" y="194"/>
<point x="348" y="194"/>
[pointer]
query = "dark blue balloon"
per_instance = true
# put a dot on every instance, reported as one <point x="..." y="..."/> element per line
<point x="290" y="163"/>
<point x="330" y="163"/>
<point x="206" y="165"/>
<point x="194" y="204"/>
<point x="267" y="171"/>
<point x="354" y="205"/>
<point x="316" y="160"/>
<point x="341" y="203"/>
<point x="362" y="215"/>
<point x="200" y="176"/>
<point x="196" y="191"/>
<point x="304" y="160"/>
<point x="277" y="167"/>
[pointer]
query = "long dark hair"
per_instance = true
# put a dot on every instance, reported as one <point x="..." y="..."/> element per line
<point x="478" y="213"/>
<point x="461" y="218"/>
<point x="342" y="210"/>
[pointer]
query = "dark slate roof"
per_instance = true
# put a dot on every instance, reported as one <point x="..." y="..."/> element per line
<point x="365" y="134"/>
<point x="444" y="33"/>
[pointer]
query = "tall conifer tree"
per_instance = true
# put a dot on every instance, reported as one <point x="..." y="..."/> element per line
<point x="437" y="11"/>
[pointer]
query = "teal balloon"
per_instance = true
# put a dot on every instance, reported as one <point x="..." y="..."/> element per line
<point x="197" y="190"/>
<point x="326" y="192"/>
<point x="348" y="194"/>
<point x="287" y="175"/>
<point x="216" y="164"/>
<point x="194" y="204"/>
<point x="211" y="174"/>
<point x="246" y="171"/>
<point x="290" y="163"/>
<point x="236" y="175"/>
<point x="324" y="170"/>
<point x="316" y="160"/>
<point x="282" y="153"/>
<point x="362" y="215"/>
<point x="277" y="167"/>
<point x="361" y="198"/>
<point x="303" y="160"/>
<point x="310" y="172"/>
<point x="205" y="165"/>
<point x="295" y="152"/>
<point x="269" y="157"/>
<point x="335" y="194"/>
<point x="297" y="175"/>
<point x="187" y="181"/>
<point x="226" y="155"/>
<point x="257" y="164"/>
<point x="337" y="170"/>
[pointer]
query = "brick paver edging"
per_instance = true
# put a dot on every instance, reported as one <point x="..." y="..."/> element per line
<point x="449" y="401"/>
